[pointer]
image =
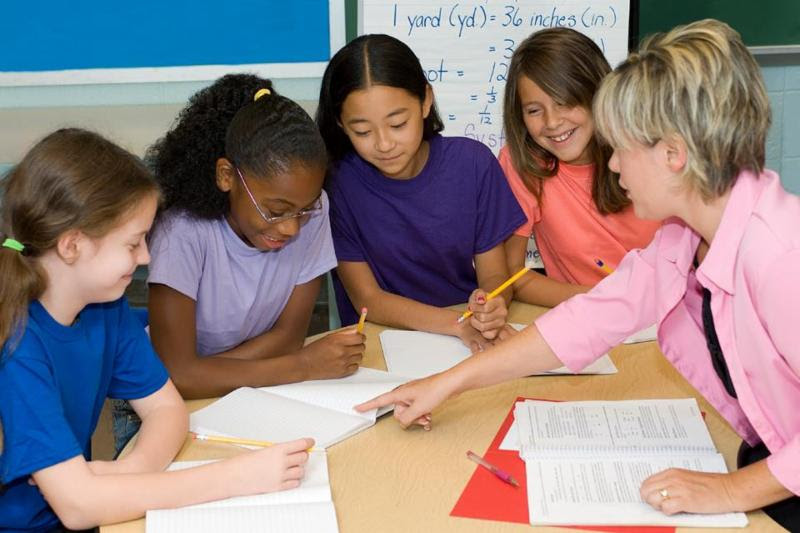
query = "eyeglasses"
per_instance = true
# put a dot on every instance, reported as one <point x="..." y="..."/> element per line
<point x="303" y="214"/>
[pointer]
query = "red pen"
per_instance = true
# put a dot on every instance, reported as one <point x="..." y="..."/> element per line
<point x="502" y="474"/>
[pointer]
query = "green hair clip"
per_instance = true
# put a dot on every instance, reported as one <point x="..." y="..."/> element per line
<point x="14" y="245"/>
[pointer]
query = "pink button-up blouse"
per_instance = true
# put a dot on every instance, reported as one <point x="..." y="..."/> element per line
<point x="752" y="270"/>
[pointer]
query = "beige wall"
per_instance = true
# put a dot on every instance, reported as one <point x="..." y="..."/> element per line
<point x="135" y="127"/>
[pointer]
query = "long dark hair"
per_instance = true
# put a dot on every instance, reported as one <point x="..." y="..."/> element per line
<point x="71" y="179"/>
<point x="369" y="60"/>
<point x="262" y="136"/>
<point x="569" y="67"/>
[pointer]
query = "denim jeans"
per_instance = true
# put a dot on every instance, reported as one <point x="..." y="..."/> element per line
<point x="125" y="423"/>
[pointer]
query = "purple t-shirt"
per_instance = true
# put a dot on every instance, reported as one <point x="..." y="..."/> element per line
<point x="240" y="291"/>
<point x="419" y="236"/>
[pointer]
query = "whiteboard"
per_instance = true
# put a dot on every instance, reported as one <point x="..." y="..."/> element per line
<point x="97" y="41"/>
<point x="465" y="48"/>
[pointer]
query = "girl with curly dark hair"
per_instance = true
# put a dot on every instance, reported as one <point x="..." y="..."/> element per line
<point x="241" y="244"/>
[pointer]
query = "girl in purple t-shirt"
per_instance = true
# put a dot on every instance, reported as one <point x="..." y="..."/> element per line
<point x="241" y="244"/>
<point x="418" y="220"/>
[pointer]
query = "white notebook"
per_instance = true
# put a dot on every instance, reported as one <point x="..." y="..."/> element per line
<point x="308" y="508"/>
<point x="585" y="461"/>
<point x="320" y="409"/>
<point x="416" y="354"/>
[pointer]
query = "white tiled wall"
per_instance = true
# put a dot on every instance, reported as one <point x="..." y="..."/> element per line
<point x="783" y="143"/>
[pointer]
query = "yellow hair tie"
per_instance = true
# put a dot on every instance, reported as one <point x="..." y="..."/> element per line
<point x="260" y="93"/>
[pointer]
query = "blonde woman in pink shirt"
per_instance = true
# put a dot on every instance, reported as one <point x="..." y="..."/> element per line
<point x="688" y="117"/>
<point x="557" y="168"/>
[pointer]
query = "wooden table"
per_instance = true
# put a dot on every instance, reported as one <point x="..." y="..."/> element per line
<point x="386" y="479"/>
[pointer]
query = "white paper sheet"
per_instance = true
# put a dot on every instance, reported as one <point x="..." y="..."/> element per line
<point x="253" y="414"/>
<point x="588" y="491"/>
<point x="596" y="427"/>
<point x="585" y="461"/>
<point x="416" y="354"/>
<point x="315" y="486"/>
<point x="317" y="517"/>
<point x="511" y="439"/>
<point x="647" y="334"/>
<point x="341" y="394"/>
<point x="308" y="508"/>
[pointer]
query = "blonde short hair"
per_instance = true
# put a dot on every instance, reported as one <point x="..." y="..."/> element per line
<point x="698" y="82"/>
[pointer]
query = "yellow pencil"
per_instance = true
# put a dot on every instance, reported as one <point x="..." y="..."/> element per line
<point x="497" y="291"/>
<point x="604" y="267"/>
<point x="235" y="440"/>
<point x="361" y="320"/>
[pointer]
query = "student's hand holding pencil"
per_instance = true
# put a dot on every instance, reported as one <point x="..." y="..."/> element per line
<point x="336" y="355"/>
<point x="488" y="314"/>
<point x="278" y="467"/>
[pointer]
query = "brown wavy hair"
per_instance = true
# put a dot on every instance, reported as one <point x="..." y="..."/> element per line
<point x="569" y="67"/>
<point x="71" y="179"/>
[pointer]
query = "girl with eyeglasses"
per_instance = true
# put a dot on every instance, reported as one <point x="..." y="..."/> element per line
<point x="240" y="245"/>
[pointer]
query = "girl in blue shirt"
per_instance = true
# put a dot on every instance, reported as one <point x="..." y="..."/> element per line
<point x="75" y="213"/>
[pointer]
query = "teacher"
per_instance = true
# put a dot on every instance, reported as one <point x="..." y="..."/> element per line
<point x="687" y="117"/>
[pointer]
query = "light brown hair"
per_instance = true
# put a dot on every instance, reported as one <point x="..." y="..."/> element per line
<point x="71" y="179"/>
<point x="569" y="67"/>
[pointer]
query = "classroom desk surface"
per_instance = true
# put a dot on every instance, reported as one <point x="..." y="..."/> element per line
<point x="388" y="479"/>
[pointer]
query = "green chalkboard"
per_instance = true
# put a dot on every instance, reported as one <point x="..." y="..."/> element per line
<point x="350" y="19"/>
<point x="760" y="22"/>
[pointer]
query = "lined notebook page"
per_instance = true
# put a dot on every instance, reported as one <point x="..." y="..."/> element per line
<point x="631" y="426"/>
<point x="254" y="414"/>
<point x="315" y="486"/>
<point x="342" y="394"/>
<point x="596" y="492"/>
<point x="318" y="517"/>
<point x="306" y="508"/>
<point x="417" y="354"/>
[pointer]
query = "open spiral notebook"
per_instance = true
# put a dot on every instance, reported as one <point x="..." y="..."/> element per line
<point x="321" y="409"/>
<point x="585" y="460"/>
<point x="308" y="508"/>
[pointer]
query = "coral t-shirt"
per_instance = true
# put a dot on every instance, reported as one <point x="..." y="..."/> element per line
<point x="569" y="230"/>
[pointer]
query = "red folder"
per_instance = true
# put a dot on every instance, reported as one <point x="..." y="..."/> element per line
<point x="488" y="498"/>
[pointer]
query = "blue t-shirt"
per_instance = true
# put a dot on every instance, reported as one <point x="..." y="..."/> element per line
<point x="419" y="236"/>
<point x="52" y="388"/>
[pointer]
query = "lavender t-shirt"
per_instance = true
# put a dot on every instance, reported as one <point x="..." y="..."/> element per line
<point x="420" y="235"/>
<point x="240" y="291"/>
